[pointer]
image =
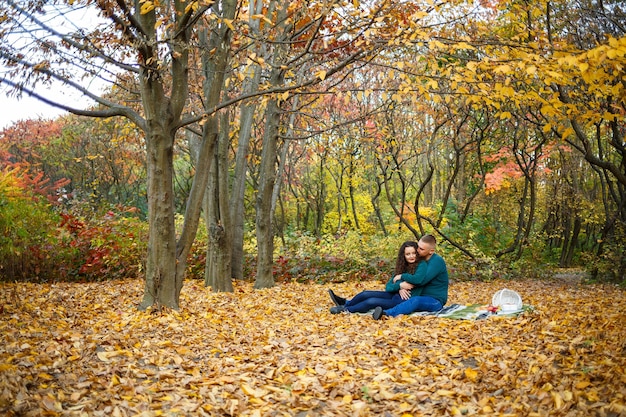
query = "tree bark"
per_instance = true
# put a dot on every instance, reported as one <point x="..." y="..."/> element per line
<point x="163" y="284"/>
<point x="267" y="171"/>
<point x="264" y="214"/>
<point x="351" y="193"/>
<point x="164" y="279"/>
<point x="219" y="225"/>
<point x="214" y="65"/>
<point x="250" y="85"/>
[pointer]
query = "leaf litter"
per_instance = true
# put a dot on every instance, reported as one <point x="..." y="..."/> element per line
<point x="85" y="350"/>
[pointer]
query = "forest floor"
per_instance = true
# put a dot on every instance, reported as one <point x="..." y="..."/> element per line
<point x="85" y="350"/>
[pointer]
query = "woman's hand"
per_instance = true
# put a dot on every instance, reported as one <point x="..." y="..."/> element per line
<point x="405" y="294"/>
<point x="405" y="290"/>
<point x="397" y="278"/>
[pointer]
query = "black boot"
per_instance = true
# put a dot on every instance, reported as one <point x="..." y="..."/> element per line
<point x="339" y="301"/>
<point x="378" y="313"/>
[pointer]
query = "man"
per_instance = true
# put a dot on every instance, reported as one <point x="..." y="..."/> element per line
<point x="395" y="292"/>
<point x="431" y="279"/>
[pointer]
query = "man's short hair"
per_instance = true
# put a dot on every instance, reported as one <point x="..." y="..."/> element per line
<point x="430" y="240"/>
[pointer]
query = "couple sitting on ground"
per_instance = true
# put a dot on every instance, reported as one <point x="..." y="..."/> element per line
<point x="419" y="283"/>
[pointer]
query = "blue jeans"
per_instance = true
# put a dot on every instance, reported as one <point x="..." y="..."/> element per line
<point x="368" y="300"/>
<point x="413" y="304"/>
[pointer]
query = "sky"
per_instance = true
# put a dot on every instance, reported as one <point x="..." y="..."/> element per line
<point x="27" y="108"/>
<point x="14" y="110"/>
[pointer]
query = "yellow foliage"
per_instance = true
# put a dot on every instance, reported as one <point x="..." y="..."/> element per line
<point x="257" y="352"/>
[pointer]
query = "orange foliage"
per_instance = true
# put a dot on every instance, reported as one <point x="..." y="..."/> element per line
<point x="501" y="176"/>
<point x="82" y="349"/>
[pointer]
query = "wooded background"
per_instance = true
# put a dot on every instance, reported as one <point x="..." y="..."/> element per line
<point x="308" y="129"/>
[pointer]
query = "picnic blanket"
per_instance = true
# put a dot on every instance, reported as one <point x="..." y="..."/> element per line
<point x="470" y="312"/>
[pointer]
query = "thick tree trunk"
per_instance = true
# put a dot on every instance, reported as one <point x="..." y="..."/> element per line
<point x="163" y="284"/>
<point x="267" y="170"/>
<point x="164" y="279"/>
<point x="164" y="275"/>
<point x="238" y="191"/>
<point x="215" y="59"/>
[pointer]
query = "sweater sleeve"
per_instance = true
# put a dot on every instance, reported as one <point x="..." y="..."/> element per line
<point x="392" y="286"/>
<point x="426" y="271"/>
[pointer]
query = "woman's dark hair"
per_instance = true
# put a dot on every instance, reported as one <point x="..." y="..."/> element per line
<point x="402" y="265"/>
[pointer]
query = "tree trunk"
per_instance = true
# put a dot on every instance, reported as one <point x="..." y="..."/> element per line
<point x="320" y="200"/>
<point x="250" y="84"/>
<point x="351" y="194"/>
<point x="267" y="177"/>
<point x="375" y="204"/>
<point x="218" y="266"/>
<point x="238" y="190"/>
<point x="566" y="260"/>
<point x="282" y="162"/>
<point x="163" y="284"/>
<point x="339" y="185"/>
<point x="267" y="170"/>
<point x="164" y="277"/>
<point x="214" y="65"/>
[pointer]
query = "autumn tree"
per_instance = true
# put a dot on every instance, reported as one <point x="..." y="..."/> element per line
<point x="559" y="69"/>
<point x="463" y="110"/>
<point x="29" y="143"/>
<point x="142" y="49"/>
<point x="326" y="41"/>
<point x="251" y="74"/>
<point x="552" y="79"/>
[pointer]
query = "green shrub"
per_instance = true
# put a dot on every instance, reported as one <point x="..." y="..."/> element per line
<point x="27" y="249"/>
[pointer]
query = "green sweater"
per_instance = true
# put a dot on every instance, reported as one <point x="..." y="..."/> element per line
<point x="430" y="278"/>
<point x="395" y="286"/>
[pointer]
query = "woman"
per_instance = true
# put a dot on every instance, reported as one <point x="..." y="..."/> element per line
<point x="431" y="278"/>
<point x="396" y="291"/>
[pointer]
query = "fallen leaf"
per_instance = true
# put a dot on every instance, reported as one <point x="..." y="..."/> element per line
<point x="278" y="350"/>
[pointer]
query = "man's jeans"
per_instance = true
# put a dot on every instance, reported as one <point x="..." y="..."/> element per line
<point x="413" y="304"/>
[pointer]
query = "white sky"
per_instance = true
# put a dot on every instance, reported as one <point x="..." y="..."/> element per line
<point x="29" y="108"/>
<point x="14" y="110"/>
